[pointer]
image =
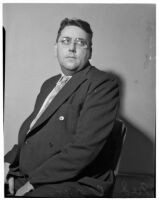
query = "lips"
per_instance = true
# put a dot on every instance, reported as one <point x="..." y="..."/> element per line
<point x="73" y="57"/>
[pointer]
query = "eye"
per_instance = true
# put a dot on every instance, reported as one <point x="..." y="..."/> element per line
<point x="66" y="41"/>
<point x="81" y="43"/>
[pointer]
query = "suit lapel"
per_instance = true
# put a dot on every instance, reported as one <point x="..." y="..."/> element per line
<point x="46" y="92"/>
<point x="65" y="92"/>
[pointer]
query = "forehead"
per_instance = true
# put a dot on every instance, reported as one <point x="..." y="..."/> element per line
<point x="74" y="32"/>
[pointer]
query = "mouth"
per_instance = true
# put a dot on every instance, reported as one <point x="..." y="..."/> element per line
<point x="72" y="57"/>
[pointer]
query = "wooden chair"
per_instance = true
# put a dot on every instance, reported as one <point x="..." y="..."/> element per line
<point x="116" y="141"/>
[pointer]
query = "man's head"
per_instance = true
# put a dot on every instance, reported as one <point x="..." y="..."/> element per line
<point x="73" y="45"/>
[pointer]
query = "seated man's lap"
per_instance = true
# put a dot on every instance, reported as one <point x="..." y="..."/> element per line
<point x="62" y="190"/>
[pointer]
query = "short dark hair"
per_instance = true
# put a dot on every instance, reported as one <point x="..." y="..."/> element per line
<point x="76" y="22"/>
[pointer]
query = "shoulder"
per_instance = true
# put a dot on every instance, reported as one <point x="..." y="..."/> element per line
<point x="102" y="86"/>
<point x="98" y="77"/>
<point x="51" y="81"/>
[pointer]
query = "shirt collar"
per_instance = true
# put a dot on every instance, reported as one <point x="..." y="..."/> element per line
<point x="62" y="74"/>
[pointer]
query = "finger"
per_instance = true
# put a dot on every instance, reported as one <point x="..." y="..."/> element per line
<point x="11" y="185"/>
<point x="19" y="192"/>
<point x="6" y="170"/>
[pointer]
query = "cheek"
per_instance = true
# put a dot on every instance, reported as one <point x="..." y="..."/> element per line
<point x="84" y="56"/>
<point x="60" y="53"/>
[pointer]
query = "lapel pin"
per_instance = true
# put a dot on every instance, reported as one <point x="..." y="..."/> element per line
<point x="61" y="118"/>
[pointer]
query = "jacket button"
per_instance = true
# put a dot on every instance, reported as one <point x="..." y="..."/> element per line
<point x="51" y="144"/>
<point x="26" y="142"/>
<point x="61" y="118"/>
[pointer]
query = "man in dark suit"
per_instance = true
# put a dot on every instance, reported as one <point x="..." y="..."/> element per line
<point x="62" y="148"/>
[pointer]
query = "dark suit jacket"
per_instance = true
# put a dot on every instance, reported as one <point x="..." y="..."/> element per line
<point x="69" y="141"/>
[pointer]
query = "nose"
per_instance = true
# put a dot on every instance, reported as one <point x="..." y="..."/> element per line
<point x="72" y="47"/>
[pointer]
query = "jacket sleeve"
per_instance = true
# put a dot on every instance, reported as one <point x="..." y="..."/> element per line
<point x="94" y="125"/>
<point x="13" y="154"/>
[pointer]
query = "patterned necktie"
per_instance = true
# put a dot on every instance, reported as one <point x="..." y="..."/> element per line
<point x="59" y="85"/>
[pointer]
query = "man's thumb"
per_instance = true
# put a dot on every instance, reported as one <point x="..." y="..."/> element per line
<point x="11" y="185"/>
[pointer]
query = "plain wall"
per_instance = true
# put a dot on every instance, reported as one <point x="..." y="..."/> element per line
<point x="123" y="43"/>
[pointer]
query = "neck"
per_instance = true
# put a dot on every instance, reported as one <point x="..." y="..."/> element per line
<point x="71" y="73"/>
<point x="67" y="72"/>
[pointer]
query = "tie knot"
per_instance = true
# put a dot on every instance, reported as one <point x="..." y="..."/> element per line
<point x="63" y="80"/>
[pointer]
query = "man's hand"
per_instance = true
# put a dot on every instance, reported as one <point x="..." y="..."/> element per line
<point x="11" y="185"/>
<point x="24" y="189"/>
<point x="6" y="170"/>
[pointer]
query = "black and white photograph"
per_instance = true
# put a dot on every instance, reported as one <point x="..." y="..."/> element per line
<point x="79" y="100"/>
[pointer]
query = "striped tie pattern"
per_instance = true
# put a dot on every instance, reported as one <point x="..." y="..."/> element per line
<point x="59" y="85"/>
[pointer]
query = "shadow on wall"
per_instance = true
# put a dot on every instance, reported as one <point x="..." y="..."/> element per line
<point x="138" y="153"/>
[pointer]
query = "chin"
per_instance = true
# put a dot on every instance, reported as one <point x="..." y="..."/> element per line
<point x="71" y="67"/>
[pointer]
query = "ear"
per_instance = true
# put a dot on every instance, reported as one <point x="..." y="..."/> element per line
<point x="90" y="54"/>
<point x="55" y="50"/>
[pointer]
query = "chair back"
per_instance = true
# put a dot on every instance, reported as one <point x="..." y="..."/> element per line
<point x="117" y="140"/>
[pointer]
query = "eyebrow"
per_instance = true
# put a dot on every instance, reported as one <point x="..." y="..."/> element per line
<point x="75" y="38"/>
<point x="82" y="39"/>
<point x="66" y="37"/>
